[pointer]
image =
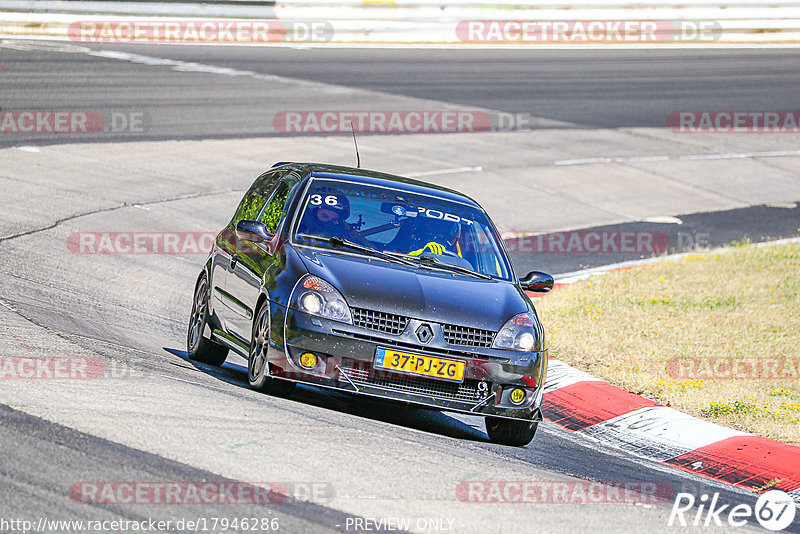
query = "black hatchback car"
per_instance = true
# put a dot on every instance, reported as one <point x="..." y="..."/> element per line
<point x="375" y="285"/>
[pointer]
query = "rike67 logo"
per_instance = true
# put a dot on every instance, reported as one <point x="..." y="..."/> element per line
<point x="774" y="510"/>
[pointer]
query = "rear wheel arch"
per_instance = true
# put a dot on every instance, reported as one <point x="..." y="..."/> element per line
<point x="210" y="322"/>
<point x="262" y="298"/>
<point x="198" y="346"/>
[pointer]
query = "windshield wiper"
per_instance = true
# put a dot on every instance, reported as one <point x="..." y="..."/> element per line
<point x="434" y="261"/>
<point x="413" y="261"/>
<point x="341" y="242"/>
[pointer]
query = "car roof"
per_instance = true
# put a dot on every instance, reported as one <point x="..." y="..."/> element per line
<point x="368" y="177"/>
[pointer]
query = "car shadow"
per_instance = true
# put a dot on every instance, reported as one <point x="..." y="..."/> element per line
<point x="392" y="412"/>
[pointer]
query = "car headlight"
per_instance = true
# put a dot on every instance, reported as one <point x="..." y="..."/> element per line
<point x="317" y="297"/>
<point x="519" y="333"/>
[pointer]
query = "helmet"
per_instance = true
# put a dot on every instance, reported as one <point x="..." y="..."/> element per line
<point x="338" y="203"/>
<point x="447" y="231"/>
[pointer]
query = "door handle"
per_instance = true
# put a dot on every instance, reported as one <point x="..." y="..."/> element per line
<point x="234" y="260"/>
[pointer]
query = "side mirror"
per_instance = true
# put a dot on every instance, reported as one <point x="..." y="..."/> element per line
<point x="252" y="231"/>
<point x="537" y="282"/>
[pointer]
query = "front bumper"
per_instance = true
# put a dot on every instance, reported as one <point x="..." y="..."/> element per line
<point x="346" y="355"/>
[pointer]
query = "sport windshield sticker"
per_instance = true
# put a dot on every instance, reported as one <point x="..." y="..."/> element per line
<point x="404" y="206"/>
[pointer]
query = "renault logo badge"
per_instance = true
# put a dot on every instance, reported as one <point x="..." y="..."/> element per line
<point x="424" y="333"/>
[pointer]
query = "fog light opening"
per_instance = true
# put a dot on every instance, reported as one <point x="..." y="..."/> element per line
<point x="308" y="360"/>
<point x="517" y="395"/>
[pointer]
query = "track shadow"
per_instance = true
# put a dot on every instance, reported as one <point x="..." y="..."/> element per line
<point x="392" y="412"/>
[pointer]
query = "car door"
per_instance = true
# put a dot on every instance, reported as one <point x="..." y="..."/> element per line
<point x="253" y="260"/>
<point x="230" y="311"/>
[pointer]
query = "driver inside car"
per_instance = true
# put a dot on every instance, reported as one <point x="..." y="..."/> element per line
<point x="329" y="219"/>
<point x="444" y="238"/>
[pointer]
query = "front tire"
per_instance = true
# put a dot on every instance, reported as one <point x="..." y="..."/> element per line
<point x="514" y="432"/>
<point x="257" y="363"/>
<point x="198" y="347"/>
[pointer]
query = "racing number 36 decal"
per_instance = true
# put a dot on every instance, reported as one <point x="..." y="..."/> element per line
<point x="330" y="200"/>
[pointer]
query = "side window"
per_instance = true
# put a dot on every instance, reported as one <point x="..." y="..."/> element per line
<point x="272" y="212"/>
<point x="257" y="196"/>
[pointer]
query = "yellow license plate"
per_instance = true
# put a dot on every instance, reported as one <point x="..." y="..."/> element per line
<point x="417" y="364"/>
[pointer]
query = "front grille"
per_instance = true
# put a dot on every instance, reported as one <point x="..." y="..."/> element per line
<point x="362" y="375"/>
<point x="447" y="352"/>
<point x="470" y="337"/>
<point x="380" y="321"/>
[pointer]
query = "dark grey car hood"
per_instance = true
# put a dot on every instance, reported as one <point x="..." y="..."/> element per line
<point x="434" y="295"/>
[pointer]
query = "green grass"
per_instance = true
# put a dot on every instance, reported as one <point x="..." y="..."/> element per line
<point x="743" y="301"/>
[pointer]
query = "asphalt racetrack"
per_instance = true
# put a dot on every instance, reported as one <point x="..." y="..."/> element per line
<point x="590" y="88"/>
<point x="209" y="129"/>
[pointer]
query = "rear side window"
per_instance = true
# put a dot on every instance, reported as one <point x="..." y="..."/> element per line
<point x="255" y="198"/>
<point x="272" y="213"/>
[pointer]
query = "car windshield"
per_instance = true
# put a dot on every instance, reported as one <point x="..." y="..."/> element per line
<point x="397" y="221"/>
